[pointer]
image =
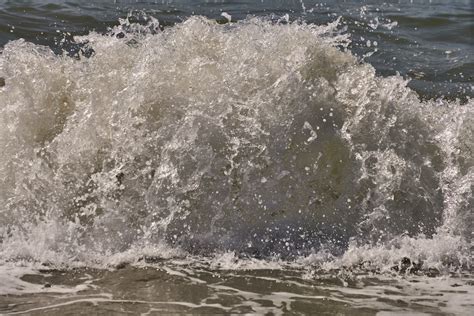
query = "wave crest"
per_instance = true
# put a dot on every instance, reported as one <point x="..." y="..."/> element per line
<point x="256" y="137"/>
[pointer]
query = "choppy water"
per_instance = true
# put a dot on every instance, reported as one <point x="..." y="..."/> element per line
<point x="280" y="157"/>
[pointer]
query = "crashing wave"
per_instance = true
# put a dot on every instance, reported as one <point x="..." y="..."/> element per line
<point x="256" y="137"/>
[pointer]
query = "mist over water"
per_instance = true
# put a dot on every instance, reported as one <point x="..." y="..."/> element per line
<point x="233" y="142"/>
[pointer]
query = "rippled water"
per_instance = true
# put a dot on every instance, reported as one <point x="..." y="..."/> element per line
<point x="215" y="157"/>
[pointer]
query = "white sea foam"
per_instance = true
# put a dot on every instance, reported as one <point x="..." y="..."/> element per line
<point x="157" y="145"/>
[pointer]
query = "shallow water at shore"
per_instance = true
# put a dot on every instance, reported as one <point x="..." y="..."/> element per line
<point x="179" y="287"/>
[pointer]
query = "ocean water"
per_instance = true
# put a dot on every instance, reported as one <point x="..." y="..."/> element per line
<point x="226" y="157"/>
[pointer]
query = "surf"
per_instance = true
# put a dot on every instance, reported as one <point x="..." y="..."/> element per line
<point x="262" y="138"/>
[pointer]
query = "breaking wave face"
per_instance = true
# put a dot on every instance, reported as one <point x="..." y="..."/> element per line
<point x="266" y="139"/>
